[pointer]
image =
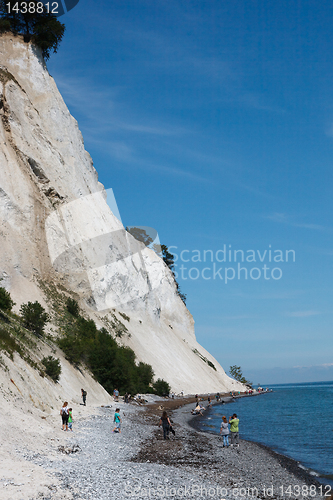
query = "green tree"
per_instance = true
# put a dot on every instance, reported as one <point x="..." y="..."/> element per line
<point x="72" y="307"/>
<point x="161" y="387"/>
<point x="52" y="367"/>
<point x="6" y="302"/>
<point x="236" y="372"/>
<point x="168" y="258"/>
<point x="112" y="365"/>
<point x="36" y="24"/>
<point x="144" y="377"/>
<point x="34" y="317"/>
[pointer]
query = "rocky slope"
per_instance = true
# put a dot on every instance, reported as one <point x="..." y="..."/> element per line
<point x="57" y="227"/>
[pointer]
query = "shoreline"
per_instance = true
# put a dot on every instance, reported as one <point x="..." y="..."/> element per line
<point x="139" y="463"/>
<point x="257" y="458"/>
<point x="291" y="464"/>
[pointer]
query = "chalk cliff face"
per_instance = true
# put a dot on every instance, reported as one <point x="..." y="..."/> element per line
<point x="56" y="226"/>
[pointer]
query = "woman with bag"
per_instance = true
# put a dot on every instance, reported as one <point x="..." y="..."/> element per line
<point x="64" y="416"/>
<point x="166" y="424"/>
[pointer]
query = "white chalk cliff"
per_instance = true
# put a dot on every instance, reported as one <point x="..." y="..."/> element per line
<point x="57" y="227"/>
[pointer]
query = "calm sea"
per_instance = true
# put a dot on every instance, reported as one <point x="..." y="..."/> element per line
<point x="295" y="420"/>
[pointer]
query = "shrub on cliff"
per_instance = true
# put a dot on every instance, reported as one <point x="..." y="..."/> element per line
<point x="6" y="302"/>
<point x="52" y="367"/>
<point x="72" y="307"/>
<point x="32" y="20"/>
<point x="34" y="317"/>
<point x="161" y="387"/>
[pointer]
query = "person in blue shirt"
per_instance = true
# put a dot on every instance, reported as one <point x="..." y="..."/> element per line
<point x="117" y="421"/>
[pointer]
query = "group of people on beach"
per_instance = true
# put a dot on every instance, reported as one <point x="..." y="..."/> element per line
<point x="225" y="431"/>
<point x="67" y="415"/>
<point x="67" y="420"/>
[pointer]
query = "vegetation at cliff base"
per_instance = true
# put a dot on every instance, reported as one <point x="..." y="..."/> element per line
<point x="236" y="372"/>
<point x="161" y="387"/>
<point x="83" y="344"/>
<point x="111" y="364"/>
<point x="16" y="339"/>
<point x="33" y="21"/>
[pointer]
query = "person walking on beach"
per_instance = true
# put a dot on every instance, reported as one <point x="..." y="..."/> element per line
<point x="84" y="396"/>
<point x="116" y="395"/>
<point x="64" y="416"/>
<point x="166" y="424"/>
<point x="70" y="419"/>
<point x="234" y="430"/>
<point x="117" y="421"/>
<point x="224" y="431"/>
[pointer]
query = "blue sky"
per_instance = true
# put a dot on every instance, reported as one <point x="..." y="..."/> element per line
<point x="213" y="123"/>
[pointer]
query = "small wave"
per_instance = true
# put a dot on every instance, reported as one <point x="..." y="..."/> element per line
<point x="311" y="472"/>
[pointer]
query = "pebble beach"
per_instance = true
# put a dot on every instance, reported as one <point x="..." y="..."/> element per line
<point x="94" y="463"/>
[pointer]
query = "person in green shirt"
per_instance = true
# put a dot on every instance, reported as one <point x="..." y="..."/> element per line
<point x="234" y="430"/>
<point x="70" y="419"/>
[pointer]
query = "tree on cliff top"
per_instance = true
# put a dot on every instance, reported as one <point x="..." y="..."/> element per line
<point x="32" y="20"/>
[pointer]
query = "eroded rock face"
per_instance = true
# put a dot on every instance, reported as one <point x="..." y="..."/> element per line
<point x="56" y="225"/>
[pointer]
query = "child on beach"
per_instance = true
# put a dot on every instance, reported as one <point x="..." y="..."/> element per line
<point x="224" y="431"/>
<point x="70" y="419"/>
<point x="117" y="421"/>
